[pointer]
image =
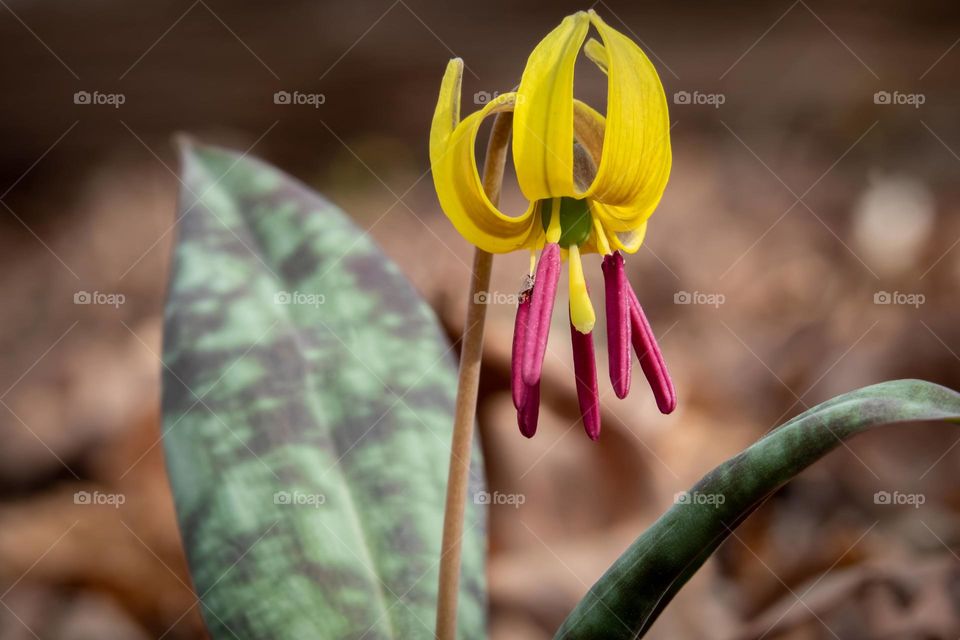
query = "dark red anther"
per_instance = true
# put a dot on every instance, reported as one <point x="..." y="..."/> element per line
<point x="585" y="370"/>
<point x="651" y="360"/>
<point x="529" y="412"/>
<point x="541" y="309"/>
<point x="516" y="359"/>
<point x="618" y="323"/>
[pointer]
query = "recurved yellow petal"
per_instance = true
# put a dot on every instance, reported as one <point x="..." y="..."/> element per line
<point x="543" y="118"/>
<point x="620" y="218"/>
<point x="628" y="241"/>
<point x="624" y="227"/>
<point x="589" y="129"/>
<point x="596" y="53"/>
<point x="588" y="126"/>
<point x="446" y="116"/>
<point x="598" y="239"/>
<point x="636" y="156"/>
<point x="457" y="180"/>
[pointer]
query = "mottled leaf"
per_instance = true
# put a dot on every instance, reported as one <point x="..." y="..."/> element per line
<point x="628" y="598"/>
<point x="308" y="408"/>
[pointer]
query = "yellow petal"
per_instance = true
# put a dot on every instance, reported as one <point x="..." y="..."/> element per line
<point x="621" y="236"/>
<point x="621" y="228"/>
<point x="588" y="129"/>
<point x="596" y="53"/>
<point x="446" y="116"/>
<point x="582" y="315"/>
<point x="636" y="157"/>
<point x="543" y="118"/>
<point x="628" y="241"/>
<point x="599" y="241"/>
<point x="457" y="180"/>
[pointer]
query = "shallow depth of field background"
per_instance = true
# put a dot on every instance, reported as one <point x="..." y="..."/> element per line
<point x="811" y="223"/>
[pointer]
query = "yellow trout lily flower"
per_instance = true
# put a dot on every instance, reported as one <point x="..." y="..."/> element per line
<point x="592" y="181"/>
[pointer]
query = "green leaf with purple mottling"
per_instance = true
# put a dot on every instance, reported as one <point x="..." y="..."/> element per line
<point x="308" y="407"/>
<point x="627" y="599"/>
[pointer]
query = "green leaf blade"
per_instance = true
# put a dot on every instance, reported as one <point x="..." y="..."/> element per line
<point x="308" y="407"/>
<point x="627" y="599"/>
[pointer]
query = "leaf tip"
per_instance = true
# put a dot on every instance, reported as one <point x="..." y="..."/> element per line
<point x="184" y="143"/>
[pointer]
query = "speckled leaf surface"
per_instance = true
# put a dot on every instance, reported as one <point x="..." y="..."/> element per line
<point x="308" y="406"/>
<point x="627" y="599"/>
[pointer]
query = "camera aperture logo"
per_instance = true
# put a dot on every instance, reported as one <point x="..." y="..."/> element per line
<point x="497" y="297"/>
<point x="896" y="498"/>
<point x="712" y="499"/>
<point x="699" y="297"/>
<point x="98" y="498"/>
<point x="100" y="298"/>
<point x="899" y="298"/>
<point x="97" y="98"/>
<point x="299" y="499"/>
<point x="512" y="499"/>
<point x="897" y="98"/>
<point x="299" y="298"/>
<point x="298" y="98"/>
<point x="697" y="98"/>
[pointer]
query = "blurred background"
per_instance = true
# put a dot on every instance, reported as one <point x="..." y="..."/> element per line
<point x="807" y="245"/>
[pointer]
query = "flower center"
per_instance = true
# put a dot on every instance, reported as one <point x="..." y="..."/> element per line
<point x="575" y="219"/>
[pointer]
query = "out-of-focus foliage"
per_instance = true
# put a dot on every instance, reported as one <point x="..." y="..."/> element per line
<point x="626" y="601"/>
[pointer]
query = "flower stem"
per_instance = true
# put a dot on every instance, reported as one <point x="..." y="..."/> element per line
<point x="467" y="388"/>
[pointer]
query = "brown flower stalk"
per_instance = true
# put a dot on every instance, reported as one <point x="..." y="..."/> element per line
<point x="467" y="385"/>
